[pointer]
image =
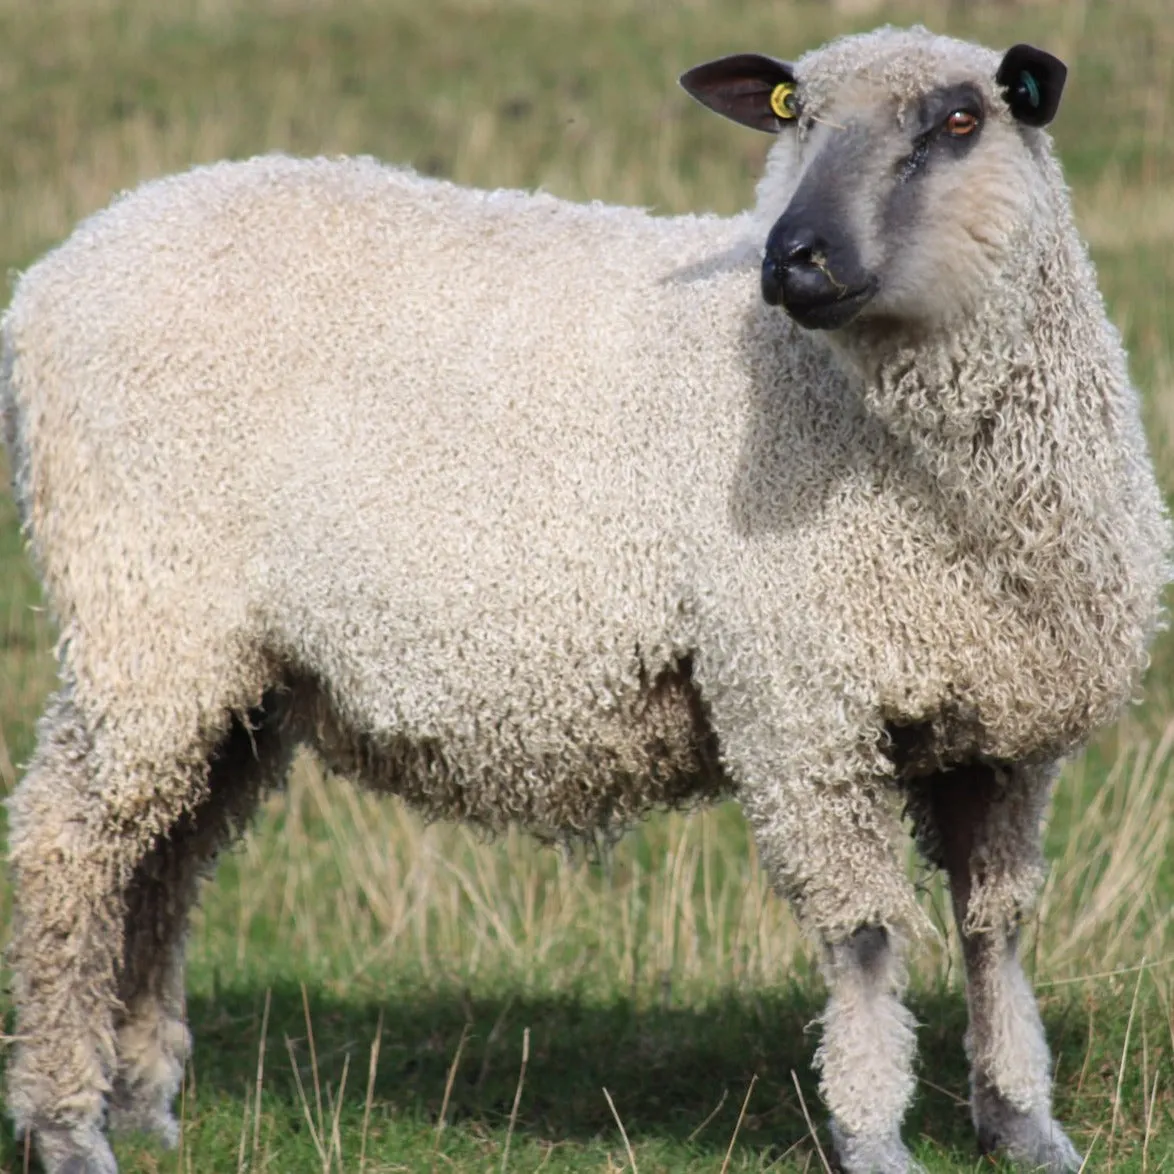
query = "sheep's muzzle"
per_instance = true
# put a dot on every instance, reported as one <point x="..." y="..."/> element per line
<point x="811" y="267"/>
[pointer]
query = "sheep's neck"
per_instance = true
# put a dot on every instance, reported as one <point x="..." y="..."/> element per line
<point x="1042" y="480"/>
<point x="1022" y="433"/>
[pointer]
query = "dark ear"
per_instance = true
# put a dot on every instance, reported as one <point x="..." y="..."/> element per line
<point x="1032" y="82"/>
<point x="757" y="91"/>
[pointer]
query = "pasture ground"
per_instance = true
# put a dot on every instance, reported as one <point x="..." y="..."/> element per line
<point x="369" y="994"/>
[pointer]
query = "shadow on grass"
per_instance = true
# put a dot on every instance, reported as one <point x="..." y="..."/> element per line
<point x="675" y="1074"/>
<point x="666" y="1069"/>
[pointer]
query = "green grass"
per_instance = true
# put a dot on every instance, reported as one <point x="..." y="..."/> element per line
<point x="668" y="976"/>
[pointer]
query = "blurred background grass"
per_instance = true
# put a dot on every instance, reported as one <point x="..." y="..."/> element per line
<point x="669" y="975"/>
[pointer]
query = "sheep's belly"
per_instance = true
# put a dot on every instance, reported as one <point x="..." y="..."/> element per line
<point x="656" y="752"/>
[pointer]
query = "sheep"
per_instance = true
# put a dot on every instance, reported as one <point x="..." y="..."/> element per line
<point x="550" y="514"/>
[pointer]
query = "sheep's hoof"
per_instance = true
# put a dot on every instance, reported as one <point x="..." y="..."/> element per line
<point x="76" y="1165"/>
<point x="74" y="1151"/>
<point x="868" y="1154"/>
<point x="1034" y="1142"/>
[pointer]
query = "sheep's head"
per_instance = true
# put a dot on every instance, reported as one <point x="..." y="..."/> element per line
<point x="906" y="179"/>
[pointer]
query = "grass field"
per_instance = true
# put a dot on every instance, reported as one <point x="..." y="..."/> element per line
<point x="368" y="994"/>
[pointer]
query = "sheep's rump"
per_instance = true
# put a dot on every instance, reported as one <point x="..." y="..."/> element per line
<point x="299" y="438"/>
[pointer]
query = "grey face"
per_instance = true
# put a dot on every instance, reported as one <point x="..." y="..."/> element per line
<point x="812" y="263"/>
<point x="892" y="194"/>
<point x="815" y="265"/>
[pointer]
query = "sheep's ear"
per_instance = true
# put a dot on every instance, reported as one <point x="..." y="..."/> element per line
<point x="1032" y="83"/>
<point x="757" y="91"/>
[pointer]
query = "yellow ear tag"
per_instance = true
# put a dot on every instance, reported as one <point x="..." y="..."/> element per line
<point x="782" y="100"/>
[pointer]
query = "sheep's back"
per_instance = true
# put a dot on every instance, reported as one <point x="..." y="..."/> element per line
<point x="413" y="442"/>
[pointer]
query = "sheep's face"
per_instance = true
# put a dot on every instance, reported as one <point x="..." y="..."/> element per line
<point x="906" y="179"/>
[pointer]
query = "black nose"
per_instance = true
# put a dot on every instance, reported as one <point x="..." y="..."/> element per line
<point x="812" y="269"/>
<point x="795" y="269"/>
<point x="798" y="245"/>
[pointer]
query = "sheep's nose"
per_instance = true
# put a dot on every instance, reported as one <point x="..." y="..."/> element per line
<point x="794" y="269"/>
<point x="799" y="245"/>
<point x="812" y="269"/>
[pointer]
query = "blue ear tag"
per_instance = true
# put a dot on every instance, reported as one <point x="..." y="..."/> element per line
<point x="1030" y="87"/>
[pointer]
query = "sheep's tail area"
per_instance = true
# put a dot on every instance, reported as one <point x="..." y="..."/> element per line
<point x="7" y="393"/>
<point x="15" y="448"/>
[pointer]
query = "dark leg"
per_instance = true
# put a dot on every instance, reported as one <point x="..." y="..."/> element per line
<point x="983" y="826"/>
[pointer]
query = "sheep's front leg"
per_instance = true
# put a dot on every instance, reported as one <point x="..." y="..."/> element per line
<point x="866" y="1057"/>
<point x="829" y="850"/>
<point x="985" y="830"/>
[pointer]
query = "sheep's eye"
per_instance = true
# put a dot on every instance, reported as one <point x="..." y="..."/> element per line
<point x="961" y="123"/>
<point x="783" y="101"/>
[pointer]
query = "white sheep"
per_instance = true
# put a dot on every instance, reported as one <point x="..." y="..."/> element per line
<point x="542" y="513"/>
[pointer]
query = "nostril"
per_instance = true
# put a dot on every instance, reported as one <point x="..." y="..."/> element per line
<point x="792" y="245"/>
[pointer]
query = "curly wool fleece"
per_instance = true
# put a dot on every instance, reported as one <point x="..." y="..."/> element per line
<point x="533" y="512"/>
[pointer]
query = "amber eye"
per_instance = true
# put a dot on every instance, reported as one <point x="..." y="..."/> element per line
<point x="961" y="123"/>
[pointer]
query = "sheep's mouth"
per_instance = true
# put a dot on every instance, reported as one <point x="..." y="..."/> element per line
<point x="833" y="312"/>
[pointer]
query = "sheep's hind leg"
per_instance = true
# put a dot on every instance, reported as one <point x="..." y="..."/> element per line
<point x="152" y="1033"/>
<point x="64" y="950"/>
<point x="984" y="828"/>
